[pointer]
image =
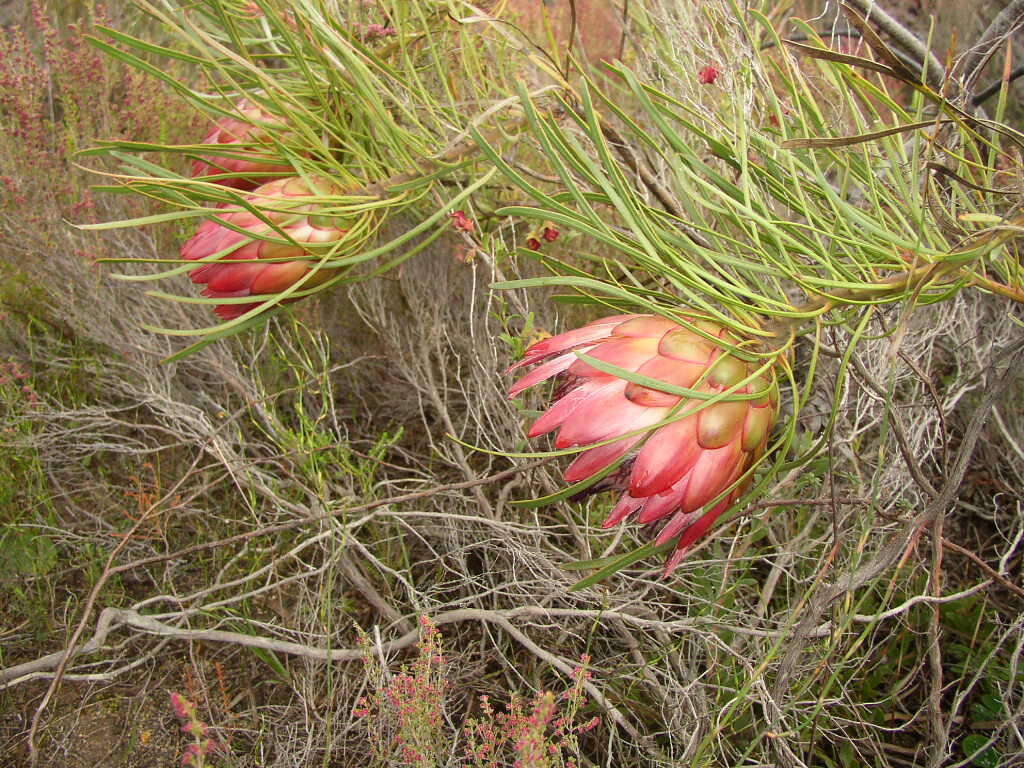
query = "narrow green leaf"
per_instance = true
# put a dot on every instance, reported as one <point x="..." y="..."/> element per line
<point x="621" y="562"/>
<point x="846" y="141"/>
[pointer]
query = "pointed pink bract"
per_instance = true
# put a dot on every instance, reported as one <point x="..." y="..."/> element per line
<point x="543" y="372"/>
<point x="593" y="461"/>
<point x="563" y="342"/>
<point x="556" y="415"/>
<point x="667" y="455"/>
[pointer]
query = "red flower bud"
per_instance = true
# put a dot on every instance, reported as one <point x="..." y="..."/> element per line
<point x="461" y="222"/>
<point x="708" y="75"/>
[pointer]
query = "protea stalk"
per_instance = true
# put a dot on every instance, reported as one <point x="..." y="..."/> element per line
<point x="255" y="259"/>
<point x="675" y="471"/>
<point x="250" y="148"/>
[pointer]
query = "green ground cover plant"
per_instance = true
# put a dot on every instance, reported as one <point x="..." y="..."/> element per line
<point x="269" y="502"/>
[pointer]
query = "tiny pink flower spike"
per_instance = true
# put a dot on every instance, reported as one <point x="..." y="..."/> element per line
<point x="681" y="466"/>
<point x="255" y="258"/>
<point x="243" y="135"/>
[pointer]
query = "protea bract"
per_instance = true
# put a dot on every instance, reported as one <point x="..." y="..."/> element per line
<point x="679" y="457"/>
<point x="249" y="150"/>
<point x="249" y="257"/>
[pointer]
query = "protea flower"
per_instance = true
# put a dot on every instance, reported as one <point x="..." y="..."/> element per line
<point x="292" y="205"/>
<point x="672" y="472"/>
<point x="239" y="134"/>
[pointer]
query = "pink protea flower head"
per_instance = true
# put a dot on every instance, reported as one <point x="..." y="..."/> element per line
<point x="255" y="259"/>
<point x="243" y="135"/>
<point x="673" y="472"/>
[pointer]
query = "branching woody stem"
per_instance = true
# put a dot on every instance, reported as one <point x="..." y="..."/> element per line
<point x="454" y="153"/>
<point x="895" y="285"/>
<point x="1008" y="20"/>
<point x="930" y="65"/>
<point x="911" y="281"/>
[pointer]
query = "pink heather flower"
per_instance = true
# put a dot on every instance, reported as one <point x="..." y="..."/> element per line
<point x="682" y="465"/>
<point x="377" y="31"/>
<point x="708" y="74"/>
<point x="182" y="707"/>
<point x="289" y="204"/>
<point x="195" y="728"/>
<point x="240" y="134"/>
<point x="192" y="755"/>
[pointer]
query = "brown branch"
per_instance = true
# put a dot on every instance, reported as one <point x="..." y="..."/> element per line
<point x="891" y="552"/>
<point x="938" y="725"/>
<point x="1002" y="26"/>
<point x="988" y="569"/>
<point x="897" y="430"/>
<point x="67" y="654"/>
<point x="109" y="570"/>
<point x="905" y="39"/>
<point x="936" y="401"/>
<point x="271" y="529"/>
<point x="362" y="584"/>
<point x="770" y="503"/>
<point x="629" y="156"/>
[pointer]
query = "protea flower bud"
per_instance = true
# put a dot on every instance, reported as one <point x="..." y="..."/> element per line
<point x="240" y="134"/>
<point x="247" y="243"/>
<point x="672" y="472"/>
